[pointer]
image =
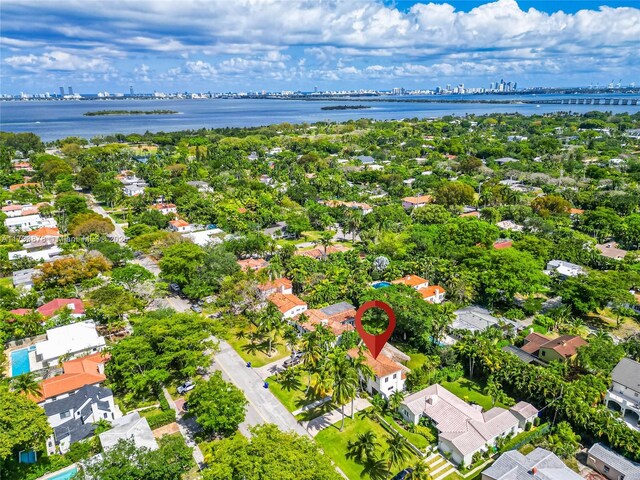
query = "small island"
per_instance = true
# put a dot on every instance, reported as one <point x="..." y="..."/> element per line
<point x="99" y="113"/>
<point x="344" y="107"/>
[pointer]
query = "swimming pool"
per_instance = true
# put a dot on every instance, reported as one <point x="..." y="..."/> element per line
<point x="65" y="475"/>
<point x="380" y="284"/>
<point x="20" y="362"/>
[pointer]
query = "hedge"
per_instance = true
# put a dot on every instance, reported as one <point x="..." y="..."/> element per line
<point x="161" y="418"/>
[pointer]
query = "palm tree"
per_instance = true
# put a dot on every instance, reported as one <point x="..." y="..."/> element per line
<point x="397" y="449"/>
<point x="420" y="471"/>
<point x="363" y="448"/>
<point x="364" y="371"/>
<point x="289" y="379"/>
<point x="326" y="239"/>
<point x="312" y="353"/>
<point x="353" y="220"/>
<point x="270" y="323"/>
<point x="395" y="399"/>
<point x="376" y="469"/>
<point x="102" y="425"/>
<point x="26" y="384"/>
<point x="345" y="381"/>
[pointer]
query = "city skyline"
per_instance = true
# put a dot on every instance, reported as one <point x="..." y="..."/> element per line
<point x="291" y="46"/>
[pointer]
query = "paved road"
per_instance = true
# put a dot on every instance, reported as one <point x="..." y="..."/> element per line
<point x="263" y="406"/>
<point x="148" y="263"/>
<point x="117" y="235"/>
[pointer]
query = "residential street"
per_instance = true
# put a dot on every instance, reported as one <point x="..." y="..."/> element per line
<point x="117" y="235"/>
<point x="263" y="406"/>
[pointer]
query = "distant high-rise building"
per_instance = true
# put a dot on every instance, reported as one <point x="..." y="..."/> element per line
<point x="70" y="90"/>
<point x="515" y="86"/>
<point x="315" y="89"/>
<point x="130" y="89"/>
<point x="62" y="91"/>
<point x="449" y="86"/>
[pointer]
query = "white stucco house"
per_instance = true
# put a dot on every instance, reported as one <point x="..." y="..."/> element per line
<point x="389" y="376"/>
<point x="464" y="429"/>
<point x="74" y="340"/>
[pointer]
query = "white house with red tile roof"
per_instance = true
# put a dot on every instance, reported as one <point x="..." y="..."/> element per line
<point x="431" y="294"/>
<point x="417" y="201"/>
<point x="75" y="306"/>
<point x="164" y="208"/>
<point x="279" y="285"/>
<point x="87" y="370"/>
<point x="180" y="226"/>
<point x="15" y="210"/>
<point x="389" y="375"/>
<point x="288" y="304"/>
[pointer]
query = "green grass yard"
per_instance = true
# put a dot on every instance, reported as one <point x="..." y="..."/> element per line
<point x="256" y="352"/>
<point x="334" y="443"/>
<point x="416" y="358"/>
<point x="6" y="282"/>
<point x="294" y="397"/>
<point x="415" y="438"/>
<point x="471" y="391"/>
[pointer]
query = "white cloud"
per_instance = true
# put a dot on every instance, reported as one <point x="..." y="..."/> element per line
<point x="58" y="61"/>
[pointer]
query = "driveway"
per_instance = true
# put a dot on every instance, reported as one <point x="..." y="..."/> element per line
<point x="328" y="419"/>
<point x="148" y="263"/>
<point x="271" y="368"/>
<point x="263" y="406"/>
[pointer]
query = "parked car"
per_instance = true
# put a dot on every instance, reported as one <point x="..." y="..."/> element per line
<point x="186" y="387"/>
<point x="174" y="287"/>
<point x="196" y="308"/>
<point x="215" y="315"/>
<point x="185" y="407"/>
<point x="294" y="360"/>
<point x="406" y="473"/>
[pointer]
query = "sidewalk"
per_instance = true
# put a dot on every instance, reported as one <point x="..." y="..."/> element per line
<point x="184" y="430"/>
<point x="328" y="419"/>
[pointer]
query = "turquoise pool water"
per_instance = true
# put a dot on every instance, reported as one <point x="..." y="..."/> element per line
<point x="20" y="362"/>
<point x="381" y="284"/>
<point x="66" y="475"/>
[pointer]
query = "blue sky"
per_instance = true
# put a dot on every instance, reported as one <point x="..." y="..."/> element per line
<point x="220" y="45"/>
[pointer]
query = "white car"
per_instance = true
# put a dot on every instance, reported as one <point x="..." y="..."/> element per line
<point x="185" y="387"/>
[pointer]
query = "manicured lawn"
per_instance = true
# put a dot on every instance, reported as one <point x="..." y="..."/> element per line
<point x="334" y="443"/>
<point x="417" y="358"/>
<point x="470" y="391"/>
<point x="256" y="352"/>
<point x="415" y="438"/>
<point x="293" y="397"/>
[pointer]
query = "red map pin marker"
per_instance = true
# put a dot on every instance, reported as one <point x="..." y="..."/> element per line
<point x="375" y="343"/>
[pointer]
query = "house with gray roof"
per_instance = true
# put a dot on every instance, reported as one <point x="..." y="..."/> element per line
<point x="540" y="464"/>
<point x="73" y="417"/>
<point x="366" y="159"/>
<point x="24" y="278"/>
<point x="464" y="429"/>
<point x="624" y="394"/>
<point x="611" y="464"/>
<point x="478" y="319"/>
<point x="129" y="427"/>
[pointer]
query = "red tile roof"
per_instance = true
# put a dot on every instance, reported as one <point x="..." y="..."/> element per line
<point x="470" y="214"/>
<point x="286" y="301"/>
<point x="277" y="284"/>
<point x="410" y="281"/>
<point x="502" y="243"/>
<point x="179" y="223"/>
<point x="431" y="291"/>
<point x="381" y="366"/>
<point x="21" y="311"/>
<point x="49" y="309"/>
<point x="45" y="232"/>
<point x="252" y="264"/>
<point x="418" y="200"/>
<point x="77" y="373"/>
